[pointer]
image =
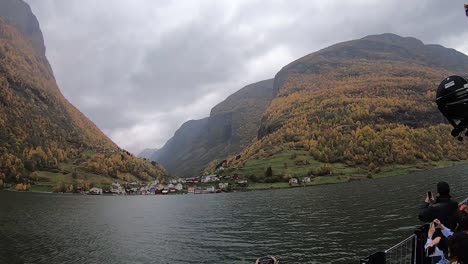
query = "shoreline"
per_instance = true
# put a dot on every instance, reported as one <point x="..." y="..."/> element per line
<point x="317" y="181"/>
<point x="340" y="179"/>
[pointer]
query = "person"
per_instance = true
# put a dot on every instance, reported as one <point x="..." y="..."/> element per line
<point x="434" y="246"/>
<point x="267" y="260"/>
<point x="462" y="225"/>
<point x="439" y="247"/>
<point x="464" y="207"/>
<point x="457" y="248"/>
<point x="442" y="208"/>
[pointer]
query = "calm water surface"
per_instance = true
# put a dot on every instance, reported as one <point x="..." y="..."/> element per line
<point x="323" y="224"/>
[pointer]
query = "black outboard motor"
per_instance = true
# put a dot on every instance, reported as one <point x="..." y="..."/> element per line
<point x="452" y="101"/>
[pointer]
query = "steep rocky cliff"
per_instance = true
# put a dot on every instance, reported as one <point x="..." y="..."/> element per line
<point x="231" y="126"/>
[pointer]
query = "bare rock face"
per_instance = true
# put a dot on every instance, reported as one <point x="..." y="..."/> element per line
<point x="231" y="126"/>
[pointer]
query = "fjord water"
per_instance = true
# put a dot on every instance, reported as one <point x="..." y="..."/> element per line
<point x="322" y="224"/>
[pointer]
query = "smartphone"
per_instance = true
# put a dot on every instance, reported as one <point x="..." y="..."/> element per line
<point x="429" y="194"/>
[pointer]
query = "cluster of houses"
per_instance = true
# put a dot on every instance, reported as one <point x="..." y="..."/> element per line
<point x="196" y="185"/>
<point x="209" y="184"/>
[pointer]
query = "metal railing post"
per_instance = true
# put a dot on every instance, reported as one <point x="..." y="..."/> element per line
<point x="376" y="258"/>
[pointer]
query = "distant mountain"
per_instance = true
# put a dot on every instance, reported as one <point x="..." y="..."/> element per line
<point x="380" y="48"/>
<point x="231" y="126"/>
<point x="42" y="134"/>
<point x="147" y="153"/>
<point x="366" y="103"/>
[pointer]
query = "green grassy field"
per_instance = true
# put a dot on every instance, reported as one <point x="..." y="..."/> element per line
<point x="47" y="180"/>
<point x="284" y="164"/>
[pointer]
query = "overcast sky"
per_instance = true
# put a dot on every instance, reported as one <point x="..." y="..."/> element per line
<point x="140" y="68"/>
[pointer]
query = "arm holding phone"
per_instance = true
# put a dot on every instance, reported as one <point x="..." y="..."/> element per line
<point x="431" y="244"/>
<point x="426" y="212"/>
<point x="445" y="231"/>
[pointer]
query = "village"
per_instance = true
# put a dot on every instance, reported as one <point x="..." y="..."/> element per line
<point x="196" y="185"/>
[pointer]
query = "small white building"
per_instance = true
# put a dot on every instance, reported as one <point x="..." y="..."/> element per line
<point x="306" y="179"/>
<point x="170" y="186"/>
<point x="209" y="178"/>
<point x="116" y="188"/>
<point x="223" y="185"/>
<point x="293" y="181"/>
<point x="210" y="189"/>
<point x="179" y="187"/>
<point x="96" y="191"/>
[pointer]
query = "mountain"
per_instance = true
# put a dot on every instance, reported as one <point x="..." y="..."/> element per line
<point x="355" y="108"/>
<point x="43" y="137"/>
<point x="231" y="126"/>
<point x="147" y="153"/>
<point x="19" y="14"/>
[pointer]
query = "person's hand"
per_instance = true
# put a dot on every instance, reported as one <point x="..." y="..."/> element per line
<point x="438" y="224"/>
<point x="431" y="230"/>
<point x="429" y="200"/>
<point x="435" y="242"/>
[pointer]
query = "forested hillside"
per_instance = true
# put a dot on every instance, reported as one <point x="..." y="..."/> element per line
<point x="231" y="126"/>
<point x="366" y="104"/>
<point x="43" y="138"/>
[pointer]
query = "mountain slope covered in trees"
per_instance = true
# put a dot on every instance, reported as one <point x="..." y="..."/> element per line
<point x="43" y="138"/>
<point x="357" y="107"/>
<point x="231" y="126"/>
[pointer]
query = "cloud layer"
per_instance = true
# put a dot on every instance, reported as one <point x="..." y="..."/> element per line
<point x="141" y="68"/>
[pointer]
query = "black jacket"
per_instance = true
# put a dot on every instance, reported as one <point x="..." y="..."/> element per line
<point x="444" y="209"/>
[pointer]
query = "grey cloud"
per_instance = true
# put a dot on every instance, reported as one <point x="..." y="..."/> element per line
<point x="140" y="68"/>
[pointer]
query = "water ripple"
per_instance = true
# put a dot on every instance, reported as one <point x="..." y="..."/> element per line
<point x="323" y="224"/>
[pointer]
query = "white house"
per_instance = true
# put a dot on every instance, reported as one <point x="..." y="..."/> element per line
<point x="210" y="189"/>
<point x="306" y="179"/>
<point x="223" y="185"/>
<point x="95" y="190"/>
<point x="209" y="178"/>
<point x="116" y="188"/>
<point x="179" y="187"/>
<point x="170" y="186"/>
<point x="293" y="181"/>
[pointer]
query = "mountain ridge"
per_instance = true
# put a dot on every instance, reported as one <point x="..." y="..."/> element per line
<point x="224" y="132"/>
<point x="455" y="60"/>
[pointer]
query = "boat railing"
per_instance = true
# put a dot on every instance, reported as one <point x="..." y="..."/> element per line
<point x="405" y="252"/>
<point x="409" y="251"/>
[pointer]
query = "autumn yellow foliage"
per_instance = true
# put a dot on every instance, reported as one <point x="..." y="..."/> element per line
<point x="39" y="128"/>
<point x="361" y="113"/>
<point x="23" y="187"/>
